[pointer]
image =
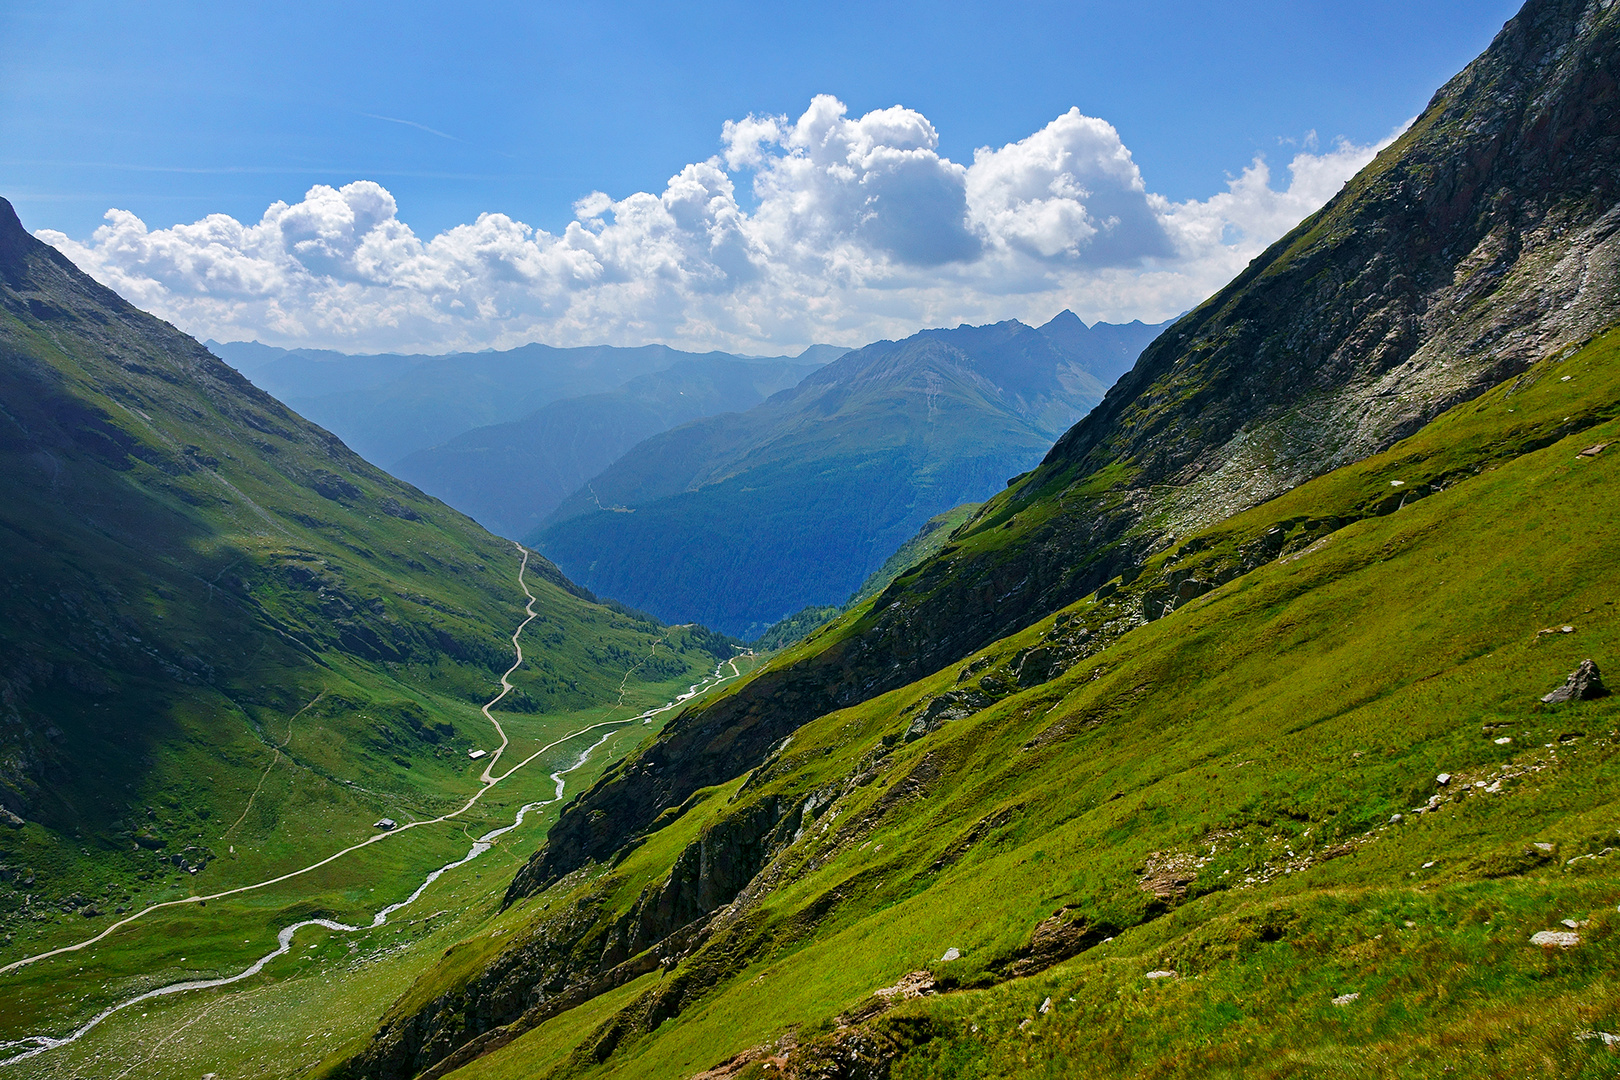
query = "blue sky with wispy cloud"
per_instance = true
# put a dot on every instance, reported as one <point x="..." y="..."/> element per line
<point x="367" y="177"/>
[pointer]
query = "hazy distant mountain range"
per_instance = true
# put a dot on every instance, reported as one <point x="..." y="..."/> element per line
<point x="388" y="406"/>
<point x="791" y="483"/>
<point x="741" y="519"/>
<point x="511" y="476"/>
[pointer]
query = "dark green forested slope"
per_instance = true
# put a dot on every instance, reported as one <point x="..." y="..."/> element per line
<point x="742" y="519"/>
<point x="187" y="565"/>
<point x="1177" y="702"/>
<point x="933" y="536"/>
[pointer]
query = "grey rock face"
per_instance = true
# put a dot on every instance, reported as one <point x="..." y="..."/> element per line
<point x="1584" y="684"/>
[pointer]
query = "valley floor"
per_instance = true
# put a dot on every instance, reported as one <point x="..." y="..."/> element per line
<point x="268" y="976"/>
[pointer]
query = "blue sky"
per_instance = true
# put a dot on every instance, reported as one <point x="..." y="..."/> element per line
<point x="176" y="111"/>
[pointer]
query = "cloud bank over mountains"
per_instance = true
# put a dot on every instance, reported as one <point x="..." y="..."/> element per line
<point x="851" y="230"/>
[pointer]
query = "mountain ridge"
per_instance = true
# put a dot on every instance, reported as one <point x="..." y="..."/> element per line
<point x="387" y="406"/>
<point x="798" y="500"/>
<point x="511" y="476"/>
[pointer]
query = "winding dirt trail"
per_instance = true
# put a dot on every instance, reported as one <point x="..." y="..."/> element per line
<point x="278" y="748"/>
<point x="38" y="1044"/>
<point x="487" y="777"/>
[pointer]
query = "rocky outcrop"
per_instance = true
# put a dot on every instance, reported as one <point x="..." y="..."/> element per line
<point x="1584" y="684"/>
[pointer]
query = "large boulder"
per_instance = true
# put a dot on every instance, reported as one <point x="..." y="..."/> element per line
<point x="1583" y="684"/>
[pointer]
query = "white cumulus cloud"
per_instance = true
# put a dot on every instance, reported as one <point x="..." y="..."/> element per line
<point x="855" y="229"/>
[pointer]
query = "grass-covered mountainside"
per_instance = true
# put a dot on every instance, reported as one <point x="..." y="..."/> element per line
<point x="387" y="407"/>
<point x="510" y="477"/>
<point x="1485" y="238"/>
<point x="1149" y="772"/>
<point x="228" y="646"/>
<point x="739" y="520"/>
<point x="1242" y="793"/>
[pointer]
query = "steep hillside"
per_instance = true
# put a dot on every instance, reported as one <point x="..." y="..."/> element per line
<point x="388" y="407"/>
<point x="189" y="569"/>
<point x="510" y="477"/>
<point x="1227" y="742"/>
<point x="1295" y="364"/>
<point x="1312" y="816"/>
<point x="740" y="520"/>
<point x="933" y="536"/>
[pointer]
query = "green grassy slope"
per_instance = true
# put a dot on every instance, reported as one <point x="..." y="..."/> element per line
<point x="228" y="645"/>
<point x="1213" y="792"/>
<point x="1477" y="244"/>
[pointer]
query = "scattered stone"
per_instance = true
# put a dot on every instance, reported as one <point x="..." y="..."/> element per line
<point x="1563" y="939"/>
<point x="1345" y="999"/>
<point x="1583" y="684"/>
<point x="1046" y="1006"/>
<point x="9" y="819"/>
<point x="1603" y="1036"/>
<point x="912" y="985"/>
<point x="1443" y="779"/>
<point x="1594" y="450"/>
<point x="1025" y="1024"/>
<point x="1542" y="845"/>
<point x="1167" y="874"/>
<point x="1160" y="975"/>
<point x="1504" y="740"/>
<point x="1428" y="864"/>
<point x="1396" y="819"/>
<point x="952" y="953"/>
<point x="1573" y="925"/>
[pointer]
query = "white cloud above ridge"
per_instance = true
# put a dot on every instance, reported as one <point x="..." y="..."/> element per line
<point x="860" y="229"/>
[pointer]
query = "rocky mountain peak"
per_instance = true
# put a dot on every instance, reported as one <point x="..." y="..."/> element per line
<point x="1479" y="241"/>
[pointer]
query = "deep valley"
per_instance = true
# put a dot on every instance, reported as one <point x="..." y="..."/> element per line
<point x="1231" y="697"/>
